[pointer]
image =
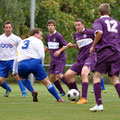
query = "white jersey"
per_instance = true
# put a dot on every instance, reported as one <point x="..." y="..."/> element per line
<point x="31" y="47"/>
<point x="8" y="46"/>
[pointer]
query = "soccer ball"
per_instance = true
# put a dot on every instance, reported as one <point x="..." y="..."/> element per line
<point x="73" y="95"/>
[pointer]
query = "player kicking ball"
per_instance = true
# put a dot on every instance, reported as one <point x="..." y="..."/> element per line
<point x="29" y="59"/>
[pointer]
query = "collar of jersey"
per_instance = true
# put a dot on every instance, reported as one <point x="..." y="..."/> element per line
<point x="104" y="16"/>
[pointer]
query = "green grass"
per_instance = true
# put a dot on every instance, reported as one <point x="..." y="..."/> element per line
<point x="17" y="108"/>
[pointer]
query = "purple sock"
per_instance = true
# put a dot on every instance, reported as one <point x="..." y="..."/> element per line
<point x="65" y="81"/>
<point x="58" y="86"/>
<point x="84" y="89"/>
<point x="97" y="92"/>
<point x="73" y="85"/>
<point x="117" y="87"/>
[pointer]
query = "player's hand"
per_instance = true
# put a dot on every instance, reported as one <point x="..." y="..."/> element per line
<point x="70" y="44"/>
<point x="16" y="76"/>
<point x="91" y="50"/>
<point x="56" y="54"/>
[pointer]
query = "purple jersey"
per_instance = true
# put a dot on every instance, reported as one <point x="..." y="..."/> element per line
<point x="110" y="37"/>
<point x="84" y="41"/>
<point x="54" y="43"/>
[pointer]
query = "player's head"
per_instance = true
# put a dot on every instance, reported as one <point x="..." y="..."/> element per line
<point x="79" y="25"/>
<point x="104" y="9"/>
<point x="36" y="32"/>
<point x="51" y="25"/>
<point x="8" y="28"/>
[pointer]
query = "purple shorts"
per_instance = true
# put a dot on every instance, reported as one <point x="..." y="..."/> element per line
<point x="57" y="67"/>
<point x="77" y="67"/>
<point x="107" y="62"/>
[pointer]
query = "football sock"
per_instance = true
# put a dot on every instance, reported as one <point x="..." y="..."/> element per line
<point x="102" y="83"/>
<point x="28" y="85"/>
<point x="97" y="92"/>
<point x="58" y="86"/>
<point x="84" y="89"/>
<point x="6" y="86"/>
<point x="22" y="87"/>
<point x="65" y="81"/>
<point x="73" y="85"/>
<point x="53" y="91"/>
<point x="117" y="87"/>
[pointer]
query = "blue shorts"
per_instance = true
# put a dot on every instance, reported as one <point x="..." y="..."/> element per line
<point x="5" y="66"/>
<point x="34" y="66"/>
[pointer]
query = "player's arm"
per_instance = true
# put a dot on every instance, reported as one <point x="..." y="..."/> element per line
<point x="56" y="54"/>
<point x="15" y="67"/>
<point x="46" y="49"/>
<point x="96" y="40"/>
<point x="73" y="45"/>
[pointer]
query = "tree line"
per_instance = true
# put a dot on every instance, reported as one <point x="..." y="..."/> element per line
<point x="64" y="12"/>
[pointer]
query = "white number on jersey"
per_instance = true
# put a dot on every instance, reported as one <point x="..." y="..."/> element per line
<point x="111" y="25"/>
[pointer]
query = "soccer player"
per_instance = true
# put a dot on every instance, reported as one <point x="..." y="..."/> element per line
<point x="30" y="59"/>
<point x="107" y="45"/>
<point x="84" y="63"/>
<point x="8" y="48"/>
<point x="56" y="45"/>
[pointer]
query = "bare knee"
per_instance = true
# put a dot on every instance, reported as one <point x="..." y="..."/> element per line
<point x="53" y="77"/>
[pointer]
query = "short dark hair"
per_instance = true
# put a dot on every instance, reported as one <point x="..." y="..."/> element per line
<point x="51" y="21"/>
<point x="34" y="31"/>
<point x="104" y="9"/>
<point x="79" y="20"/>
<point x="8" y="22"/>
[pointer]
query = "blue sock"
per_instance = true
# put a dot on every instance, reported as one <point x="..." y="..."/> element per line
<point x="28" y="85"/>
<point x="102" y="83"/>
<point x="22" y="87"/>
<point x="6" y="86"/>
<point x="53" y="91"/>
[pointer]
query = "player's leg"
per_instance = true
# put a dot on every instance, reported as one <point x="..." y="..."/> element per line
<point x="85" y="82"/>
<point x="4" y="85"/>
<point x="62" y="77"/>
<point x="103" y="85"/>
<point x="52" y="70"/>
<point x="69" y="75"/>
<point x="51" y="89"/>
<point x="57" y="84"/>
<point x="59" y="68"/>
<point x="116" y="83"/>
<point x="97" y="92"/>
<point x="4" y="69"/>
<point x="21" y="86"/>
<point x="28" y="85"/>
<point x="23" y="72"/>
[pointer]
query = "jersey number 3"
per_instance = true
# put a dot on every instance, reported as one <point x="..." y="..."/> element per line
<point x="111" y="26"/>
<point x="26" y="44"/>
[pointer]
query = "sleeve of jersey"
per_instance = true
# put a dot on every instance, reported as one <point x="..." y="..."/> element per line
<point x="97" y="26"/>
<point x="15" y="66"/>
<point x="19" y="40"/>
<point x="62" y="41"/>
<point x="41" y="51"/>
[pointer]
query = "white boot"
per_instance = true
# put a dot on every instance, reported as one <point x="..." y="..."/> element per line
<point x="97" y="108"/>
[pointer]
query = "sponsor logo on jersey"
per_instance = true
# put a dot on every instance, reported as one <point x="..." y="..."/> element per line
<point x="84" y="36"/>
<point x="54" y="39"/>
<point x="6" y="45"/>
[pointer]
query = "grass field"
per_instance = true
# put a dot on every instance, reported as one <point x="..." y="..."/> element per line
<point x="17" y="108"/>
